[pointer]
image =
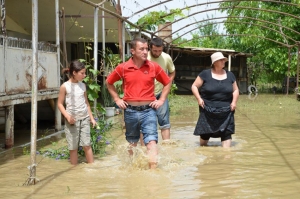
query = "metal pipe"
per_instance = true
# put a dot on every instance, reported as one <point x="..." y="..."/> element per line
<point x="3" y="18"/>
<point x="248" y="35"/>
<point x="34" y="91"/>
<point x="120" y="31"/>
<point x="229" y="62"/>
<point x="87" y="16"/>
<point x="57" y="112"/>
<point x="123" y="41"/>
<point x="238" y="22"/>
<point x="96" y="24"/>
<point x="116" y="15"/>
<point x="103" y="45"/>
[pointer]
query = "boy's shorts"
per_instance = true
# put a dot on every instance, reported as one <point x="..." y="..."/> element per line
<point x="78" y="134"/>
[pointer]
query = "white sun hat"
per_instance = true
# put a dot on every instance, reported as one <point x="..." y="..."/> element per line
<point x="217" y="56"/>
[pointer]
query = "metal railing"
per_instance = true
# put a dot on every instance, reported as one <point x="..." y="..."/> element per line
<point x="26" y="44"/>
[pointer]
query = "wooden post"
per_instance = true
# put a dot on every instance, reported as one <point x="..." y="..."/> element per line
<point x="9" y="127"/>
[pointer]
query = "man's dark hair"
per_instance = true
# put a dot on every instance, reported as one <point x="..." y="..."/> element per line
<point x="158" y="42"/>
<point x="135" y="40"/>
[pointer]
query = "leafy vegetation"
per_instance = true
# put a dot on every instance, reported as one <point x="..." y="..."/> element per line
<point x="151" y="20"/>
<point x="269" y="30"/>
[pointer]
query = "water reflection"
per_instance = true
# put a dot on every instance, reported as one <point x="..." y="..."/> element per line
<point x="263" y="161"/>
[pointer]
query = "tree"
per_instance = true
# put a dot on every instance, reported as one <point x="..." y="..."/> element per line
<point x="261" y="22"/>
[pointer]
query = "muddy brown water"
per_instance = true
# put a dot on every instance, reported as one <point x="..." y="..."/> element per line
<point x="264" y="161"/>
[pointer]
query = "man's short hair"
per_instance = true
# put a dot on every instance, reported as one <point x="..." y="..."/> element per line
<point x="158" y="42"/>
<point x="135" y="40"/>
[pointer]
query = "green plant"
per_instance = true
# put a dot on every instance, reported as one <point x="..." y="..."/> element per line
<point x="119" y="88"/>
<point x="93" y="87"/>
<point x="26" y="151"/>
<point x="151" y="20"/>
<point x="59" y="153"/>
<point x="100" y="137"/>
<point x="109" y="61"/>
<point x="107" y="98"/>
<point x="172" y="91"/>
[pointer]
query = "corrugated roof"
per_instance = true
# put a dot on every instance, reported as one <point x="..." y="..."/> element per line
<point x="201" y="50"/>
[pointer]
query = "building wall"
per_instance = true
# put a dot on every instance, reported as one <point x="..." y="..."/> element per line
<point x="189" y="65"/>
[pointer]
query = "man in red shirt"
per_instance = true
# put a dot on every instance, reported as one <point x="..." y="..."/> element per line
<point x="139" y="102"/>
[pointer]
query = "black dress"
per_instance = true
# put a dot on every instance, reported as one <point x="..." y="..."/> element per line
<point x="216" y="116"/>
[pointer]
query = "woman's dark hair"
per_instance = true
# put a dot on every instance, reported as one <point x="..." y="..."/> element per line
<point x="76" y="66"/>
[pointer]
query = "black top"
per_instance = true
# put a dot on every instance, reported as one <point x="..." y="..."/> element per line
<point x="216" y="93"/>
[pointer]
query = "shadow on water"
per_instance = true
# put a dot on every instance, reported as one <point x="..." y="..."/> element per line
<point x="283" y="156"/>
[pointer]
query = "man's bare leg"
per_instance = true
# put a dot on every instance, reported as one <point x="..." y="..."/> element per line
<point x="152" y="154"/>
<point x="130" y="148"/>
<point x="165" y="134"/>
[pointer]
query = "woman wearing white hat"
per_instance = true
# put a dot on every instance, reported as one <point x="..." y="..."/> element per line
<point x="217" y="99"/>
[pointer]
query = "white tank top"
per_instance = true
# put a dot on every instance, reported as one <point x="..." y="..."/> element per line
<point x="75" y="100"/>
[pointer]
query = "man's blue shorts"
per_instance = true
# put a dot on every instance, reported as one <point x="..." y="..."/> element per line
<point x="139" y="120"/>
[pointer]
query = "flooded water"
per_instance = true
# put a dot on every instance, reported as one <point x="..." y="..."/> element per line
<point x="263" y="161"/>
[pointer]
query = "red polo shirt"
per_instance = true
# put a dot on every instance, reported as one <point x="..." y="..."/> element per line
<point x="138" y="83"/>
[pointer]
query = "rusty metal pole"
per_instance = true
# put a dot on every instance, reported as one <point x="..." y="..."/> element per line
<point x="65" y="55"/>
<point x="57" y="112"/>
<point x="103" y="45"/>
<point x="123" y="41"/>
<point x="3" y="18"/>
<point x="96" y="23"/>
<point x="34" y="91"/>
<point x="120" y="27"/>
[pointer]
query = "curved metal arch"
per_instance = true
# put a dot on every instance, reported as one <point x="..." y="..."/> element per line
<point x="282" y="44"/>
<point x="223" y="1"/>
<point x="292" y="30"/>
<point x="220" y="1"/>
<point x="158" y="4"/>
<point x="237" y="22"/>
<point x="242" y="7"/>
